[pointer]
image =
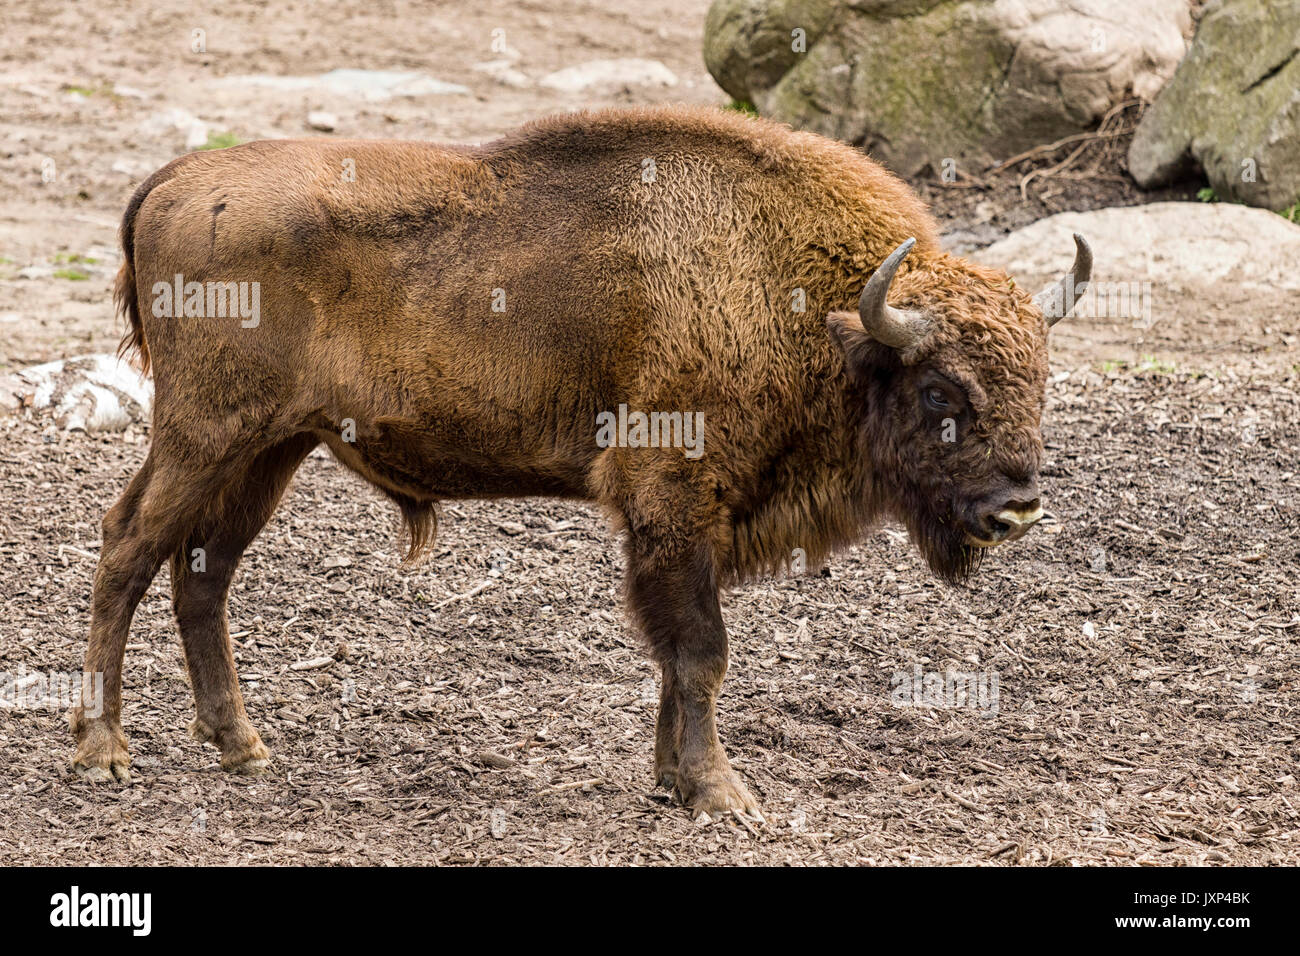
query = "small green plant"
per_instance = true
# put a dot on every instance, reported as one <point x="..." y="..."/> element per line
<point x="71" y="258"/>
<point x="221" y="141"/>
<point x="742" y="106"/>
<point x="104" y="89"/>
<point x="74" y="275"/>
<point x="1147" y="363"/>
<point x="1290" y="213"/>
<point x="1150" y="363"/>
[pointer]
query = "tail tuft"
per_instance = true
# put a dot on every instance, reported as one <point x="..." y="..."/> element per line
<point x="421" y="521"/>
<point x="124" y="295"/>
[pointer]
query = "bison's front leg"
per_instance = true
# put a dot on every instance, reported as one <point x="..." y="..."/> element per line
<point x="675" y="598"/>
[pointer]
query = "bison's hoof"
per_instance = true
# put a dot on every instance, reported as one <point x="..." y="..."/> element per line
<point x="242" y="750"/>
<point x="101" y="754"/>
<point x="118" y="771"/>
<point x="719" y="794"/>
<point x="253" y="763"/>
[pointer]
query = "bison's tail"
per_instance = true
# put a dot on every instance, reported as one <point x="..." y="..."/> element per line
<point x="124" y="295"/>
<point x="124" y="290"/>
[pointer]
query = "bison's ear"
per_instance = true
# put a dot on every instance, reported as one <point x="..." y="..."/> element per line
<point x="847" y="333"/>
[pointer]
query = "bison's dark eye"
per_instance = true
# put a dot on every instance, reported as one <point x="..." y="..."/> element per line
<point x="936" y="399"/>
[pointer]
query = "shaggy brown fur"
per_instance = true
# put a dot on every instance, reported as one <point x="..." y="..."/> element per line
<point x="665" y="287"/>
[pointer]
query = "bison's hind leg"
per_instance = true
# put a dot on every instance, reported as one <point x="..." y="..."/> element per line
<point x="147" y="523"/>
<point x="201" y="574"/>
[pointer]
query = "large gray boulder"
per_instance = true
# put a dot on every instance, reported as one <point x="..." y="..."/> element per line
<point x="921" y="81"/>
<point x="1188" y="277"/>
<point x="1233" y="107"/>
<point x="1172" y="246"/>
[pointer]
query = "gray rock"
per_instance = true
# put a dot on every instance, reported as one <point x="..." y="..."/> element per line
<point x="1233" y="107"/>
<point x="921" y="81"/>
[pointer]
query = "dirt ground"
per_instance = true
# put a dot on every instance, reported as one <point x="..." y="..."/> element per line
<point x="491" y="705"/>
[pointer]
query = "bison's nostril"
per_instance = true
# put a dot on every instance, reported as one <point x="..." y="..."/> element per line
<point x="1016" y="523"/>
<point x="998" y="528"/>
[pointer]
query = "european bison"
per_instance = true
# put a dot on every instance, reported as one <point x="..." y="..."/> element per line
<point x="468" y="322"/>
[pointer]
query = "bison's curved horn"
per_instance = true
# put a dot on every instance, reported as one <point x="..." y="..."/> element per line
<point x="1057" y="300"/>
<point x="897" y="328"/>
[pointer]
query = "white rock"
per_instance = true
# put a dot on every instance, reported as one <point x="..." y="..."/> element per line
<point x="89" y="393"/>
<point x="167" y="120"/>
<point x="609" y="73"/>
<point x="373" y="85"/>
<point x="36" y="272"/>
<point x="323" y="121"/>
<point x="134" y="168"/>
<point x="504" y="72"/>
<point x="197" y="135"/>
<point x="164" y="122"/>
<point x="516" y="79"/>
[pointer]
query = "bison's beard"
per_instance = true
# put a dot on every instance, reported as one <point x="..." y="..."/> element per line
<point x="943" y="545"/>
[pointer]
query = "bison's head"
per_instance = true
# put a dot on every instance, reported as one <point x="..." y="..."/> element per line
<point x="950" y="388"/>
